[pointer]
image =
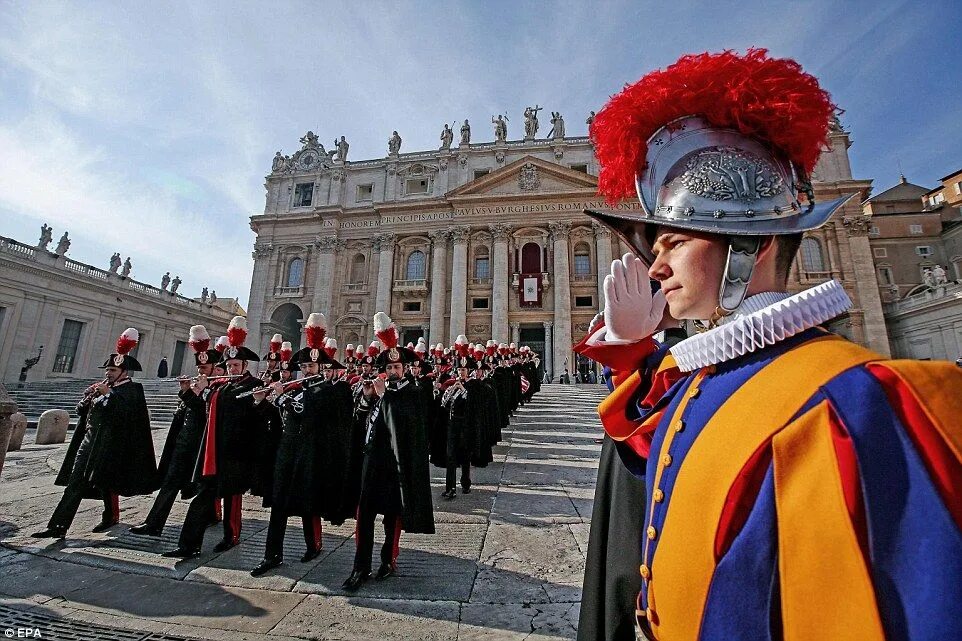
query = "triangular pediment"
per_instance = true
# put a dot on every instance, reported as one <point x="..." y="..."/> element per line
<point x="528" y="176"/>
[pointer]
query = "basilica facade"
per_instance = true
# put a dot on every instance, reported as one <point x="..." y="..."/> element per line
<point x="485" y="239"/>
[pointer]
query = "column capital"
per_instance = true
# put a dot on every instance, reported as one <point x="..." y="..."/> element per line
<point x="559" y="231"/>
<point x="500" y="231"/>
<point x="857" y="225"/>
<point x="516" y="325"/>
<point x="459" y="235"/>
<point x="328" y="244"/>
<point x="439" y="236"/>
<point x="548" y="324"/>
<point x="601" y="231"/>
<point x="384" y="242"/>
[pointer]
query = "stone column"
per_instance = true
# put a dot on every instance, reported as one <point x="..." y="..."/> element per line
<point x="515" y="333"/>
<point x="258" y="297"/>
<point x="500" y="234"/>
<point x="459" y="281"/>
<point x="548" y="360"/>
<point x="385" y="272"/>
<point x="327" y="247"/>
<point x="562" y="295"/>
<point x="439" y="282"/>
<point x="603" y="257"/>
<point x="866" y="284"/>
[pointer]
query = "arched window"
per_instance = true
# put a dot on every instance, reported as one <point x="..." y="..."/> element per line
<point x="531" y="258"/>
<point x="582" y="259"/>
<point x="415" y="268"/>
<point x="358" y="271"/>
<point x="482" y="262"/>
<point x="812" y="255"/>
<point x="885" y="275"/>
<point x="295" y="273"/>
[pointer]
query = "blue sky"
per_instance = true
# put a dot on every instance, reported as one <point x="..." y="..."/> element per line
<point x="148" y="128"/>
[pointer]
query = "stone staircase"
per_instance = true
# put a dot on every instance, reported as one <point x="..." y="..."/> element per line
<point x="35" y="398"/>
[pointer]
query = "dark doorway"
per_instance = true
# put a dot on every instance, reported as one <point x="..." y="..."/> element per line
<point x="177" y="368"/>
<point x="284" y="321"/>
<point x="533" y="337"/>
<point x="411" y="335"/>
<point x="531" y="260"/>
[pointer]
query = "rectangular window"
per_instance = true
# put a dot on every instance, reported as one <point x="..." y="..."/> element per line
<point x="873" y="230"/>
<point x="354" y="306"/>
<point x="479" y="303"/>
<point x="412" y="306"/>
<point x="584" y="301"/>
<point x="923" y="250"/>
<point x="416" y="186"/>
<point x="958" y="187"/>
<point x="67" y="349"/>
<point x="481" y="172"/>
<point x="915" y="230"/>
<point x="365" y="192"/>
<point x="303" y="194"/>
<point x="177" y="367"/>
<point x="482" y="268"/>
<point x="583" y="168"/>
<point x="885" y="275"/>
<point x="582" y="264"/>
<point x="880" y="252"/>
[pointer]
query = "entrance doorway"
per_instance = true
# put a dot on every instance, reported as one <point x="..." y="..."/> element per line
<point x="533" y="337"/>
<point x="284" y="321"/>
<point x="411" y="335"/>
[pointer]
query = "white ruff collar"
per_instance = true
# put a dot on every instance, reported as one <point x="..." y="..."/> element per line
<point x="751" y="328"/>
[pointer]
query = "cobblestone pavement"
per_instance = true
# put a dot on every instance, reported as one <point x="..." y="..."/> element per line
<point x="506" y="562"/>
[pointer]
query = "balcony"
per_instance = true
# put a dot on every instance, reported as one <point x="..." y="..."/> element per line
<point x="354" y="288"/>
<point x="482" y="282"/>
<point x="288" y="292"/>
<point x="583" y="278"/>
<point x="411" y="286"/>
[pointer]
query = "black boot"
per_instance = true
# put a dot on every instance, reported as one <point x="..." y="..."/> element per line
<point x="224" y="545"/>
<point x="103" y="526"/>
<point x="310" y="555"/>
<point x="354" y="581"/>
<point x="266" y="565"/>
<point x="51" y="533"/>
<point x="181" y="553"/>
<point x="147" y="529"/>
<point x="386" y="570"/>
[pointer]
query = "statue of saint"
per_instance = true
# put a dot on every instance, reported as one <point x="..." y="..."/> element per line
<point x="203" y="295"/>
<point x="115" y="262"/>
<point x="62" y="245"/>
<point x="939" y="275"/>
<point x="46" y="235"/>
<point x="309" y="139"/>
<point x="447" y="137"/>
<point x="341" y="146"/>
<point x="165" y="281"/>
<point x="465" y="133"/>
<point x="500" y="128"/>
<point x="127" y="267"/>
<point x="589" y="120"/>
<point x="557" y="126"/>
<point x="394" y="144"/>
<point x="928" y="278"/>
<point x="280" y="162"/>
<point x="531" y="122"/>
<point x="174" y="284"/>
<point x="213" y="298"/>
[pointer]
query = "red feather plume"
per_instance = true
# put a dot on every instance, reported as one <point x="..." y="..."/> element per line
<point x="200" y="346"/>
<point x="769" y="99"/>
<point x="236" y="336"/>
<point x="125" y="344"/>
<point x="315" y="337"/>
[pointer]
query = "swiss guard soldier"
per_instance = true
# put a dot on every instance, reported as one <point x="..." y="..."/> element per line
<point x="233" y="437"/>
<point x="799" y="485"/>
<point x="396" y="479"/>
<point x="115" y="455"/>
<point x="309" y="473"/>
<point x="183" y="440"/>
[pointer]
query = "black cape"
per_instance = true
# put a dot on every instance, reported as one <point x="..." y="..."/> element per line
<point x="397" y="476"/>
<point x="63" y="476"/>
<point x="176" y="468"/>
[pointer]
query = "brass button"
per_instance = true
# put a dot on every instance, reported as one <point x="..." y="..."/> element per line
<point x="666" y="459"/>
<point x="679" y="425"/>
<point x="645" y="572"/>
<point x="695" y="393"/>
<point x="658" y="495"/>
<point x="652" y="532"/>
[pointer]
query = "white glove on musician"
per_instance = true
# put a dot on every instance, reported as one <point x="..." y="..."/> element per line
<point x="631" y="311"/>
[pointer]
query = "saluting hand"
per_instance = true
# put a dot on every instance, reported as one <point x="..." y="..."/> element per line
<point x="631" y="311"/>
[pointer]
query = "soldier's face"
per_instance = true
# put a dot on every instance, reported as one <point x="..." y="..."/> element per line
<point x="394" y="371"/>
<point x="328" y="374"/>
<point x="285" y="374"/>
<point x="463" y="373"/>
<point x="271" y="366"/>
<point x="309" y="369"/>
<point x="235" y="366"/>
<point x="205" y="369"/>
<point x="689" y="266"/>
<point x="416" y="370"/>
<point x="112" y="374"/>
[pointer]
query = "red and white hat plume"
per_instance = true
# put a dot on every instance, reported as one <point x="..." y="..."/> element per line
<point x="330" y="347"/>
<point x="222" y="344"/>
<point x="127" y="340"/>
<point x="275" y="345"/>
<point x="491" y="347"/>
<point x="286" y="350"/>
<point x="439" y="349"/>
<point x="421" y="347"/>
<point x="461" y="345"/>
<point x="237" y="331"/>
<point x="512" y="348"/>
<point x="349" y="351"/>
<point x="198" y="339"/>
<point x="385" y="330"/>
<point x="409" y="346"/>
<point x="315" y="330"/>
<point x="478" y="351"/>
<point x="374" y="348"/>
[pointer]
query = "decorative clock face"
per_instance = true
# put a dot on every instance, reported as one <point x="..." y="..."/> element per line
<point x="308" y="160"/>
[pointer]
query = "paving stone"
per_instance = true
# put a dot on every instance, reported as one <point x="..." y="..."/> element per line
<point x="514" y="622"/>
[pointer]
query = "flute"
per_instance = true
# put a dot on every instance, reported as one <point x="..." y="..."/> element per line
<point x="258" y="390"/>
<point x="211" y="379"/>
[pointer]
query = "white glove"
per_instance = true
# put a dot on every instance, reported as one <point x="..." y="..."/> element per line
<point x="631" y="311"/>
